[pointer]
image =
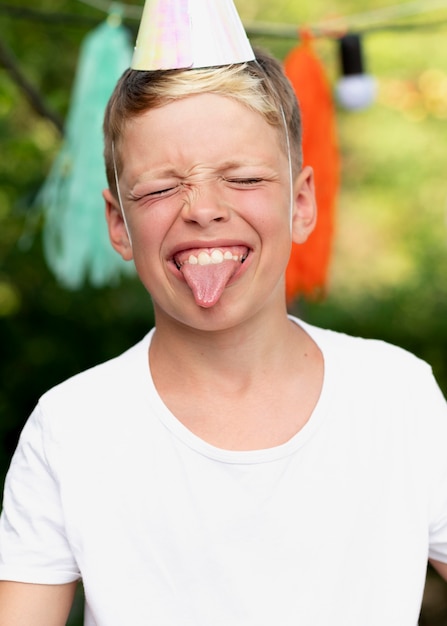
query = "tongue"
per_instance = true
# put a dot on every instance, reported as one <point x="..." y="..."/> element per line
<point x="207" y="282"/>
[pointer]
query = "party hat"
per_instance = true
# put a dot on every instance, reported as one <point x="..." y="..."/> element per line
<point x="183" y="34"/>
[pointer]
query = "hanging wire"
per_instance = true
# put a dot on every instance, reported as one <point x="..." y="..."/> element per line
<point x="364" y="21"/>
<point x="130" y="11"/>
<point x="382" y="19"/>
<point x="396" y="11"/>
<point x="370" y="20"/>
<point x="39" y="15"/>
<point x="326" y="30"/>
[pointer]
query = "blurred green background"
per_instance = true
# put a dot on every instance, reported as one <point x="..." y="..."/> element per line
<point x="388" y="274"/>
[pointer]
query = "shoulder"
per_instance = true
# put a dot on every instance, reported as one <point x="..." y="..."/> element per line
<point x="365" y="356"/>
<point x="379" y="373"/>
<point x="384" y="383"/>
<point x="97" y="392"/>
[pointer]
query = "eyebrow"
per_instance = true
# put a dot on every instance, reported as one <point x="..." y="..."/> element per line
<point x="233" y="164"/>
<point x="172" y="172"/>
<point x="155" y="174"/>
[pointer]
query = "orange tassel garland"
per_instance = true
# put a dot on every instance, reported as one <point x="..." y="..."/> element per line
<point x="308" y="267"/>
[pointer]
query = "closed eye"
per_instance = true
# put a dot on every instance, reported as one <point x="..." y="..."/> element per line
<point x="245" y="182"/>
<point x="158" y="193"/>
<point x="162" y="192"/>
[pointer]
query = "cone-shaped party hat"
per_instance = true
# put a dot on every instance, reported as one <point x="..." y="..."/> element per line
<point x="183" y="34"/>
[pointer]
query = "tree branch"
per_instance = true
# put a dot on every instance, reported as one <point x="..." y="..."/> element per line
<point x="9" y="62"/>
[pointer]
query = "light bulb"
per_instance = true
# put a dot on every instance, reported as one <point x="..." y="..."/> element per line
<point x="356" y="91"/>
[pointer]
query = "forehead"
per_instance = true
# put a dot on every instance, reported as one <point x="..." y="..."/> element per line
<point x="203" y="127"/>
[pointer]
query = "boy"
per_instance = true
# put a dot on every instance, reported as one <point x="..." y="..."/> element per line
<point x="237" y="466"/>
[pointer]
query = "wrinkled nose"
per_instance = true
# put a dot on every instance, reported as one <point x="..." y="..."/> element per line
<point x="204" y="205"/>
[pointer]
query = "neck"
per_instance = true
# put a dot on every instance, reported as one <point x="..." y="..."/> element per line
<point x="238" y="355"/>
<point x="249" y="387"/>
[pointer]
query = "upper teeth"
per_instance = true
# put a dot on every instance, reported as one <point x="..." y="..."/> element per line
<point x="216" y="256"/>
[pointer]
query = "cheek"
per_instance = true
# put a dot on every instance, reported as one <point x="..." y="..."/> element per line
<point x="145" y="245"/>
<point x="148" y="228"/>
<point x="271" y="213"/>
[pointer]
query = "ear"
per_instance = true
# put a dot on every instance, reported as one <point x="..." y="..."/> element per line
<point x="118" y="235"/>
<point x="304" y="215"/>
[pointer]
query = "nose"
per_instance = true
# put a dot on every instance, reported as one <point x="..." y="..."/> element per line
<point x="204" y="205"/>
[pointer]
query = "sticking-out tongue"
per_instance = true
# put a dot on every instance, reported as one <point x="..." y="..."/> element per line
<point x="207" y="282"/>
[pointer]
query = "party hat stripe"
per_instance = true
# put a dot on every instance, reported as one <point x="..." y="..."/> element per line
<point x="218" y="35"/>
<point x="164" y="37"/>
<point x="178" y="34"/>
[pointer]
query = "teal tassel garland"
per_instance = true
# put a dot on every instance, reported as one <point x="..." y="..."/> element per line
<point x="76" y="244"/>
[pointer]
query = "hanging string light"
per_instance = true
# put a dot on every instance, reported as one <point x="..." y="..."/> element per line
<point x="355" y="89"/>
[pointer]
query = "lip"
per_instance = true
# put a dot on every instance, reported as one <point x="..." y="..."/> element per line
<point x="185" y="246"/>
<point x="207" y="245"/>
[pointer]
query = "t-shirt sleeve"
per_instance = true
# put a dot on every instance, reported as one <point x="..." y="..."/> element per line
<point x="438" y="523"/>
<point x="33" y="545"/>
<point x="436" y="413"/>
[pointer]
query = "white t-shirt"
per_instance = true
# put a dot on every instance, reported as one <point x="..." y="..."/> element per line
<point x="332" y="528"/>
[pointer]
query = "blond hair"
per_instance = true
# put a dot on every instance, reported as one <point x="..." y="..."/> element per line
<point x="259" y="85"/>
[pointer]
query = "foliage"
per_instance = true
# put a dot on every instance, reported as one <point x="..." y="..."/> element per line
<point x="390" y="251"/>
<point x="390" y="255"/>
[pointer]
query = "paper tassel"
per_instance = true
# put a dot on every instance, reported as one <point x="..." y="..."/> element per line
<point x="76" y="243"/>
<point x="177" y="34"/>
<point x="308" y="268"/>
